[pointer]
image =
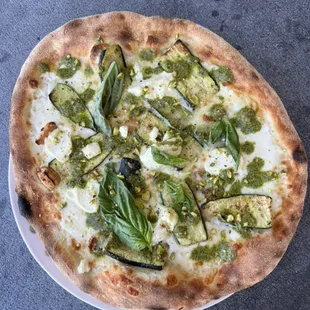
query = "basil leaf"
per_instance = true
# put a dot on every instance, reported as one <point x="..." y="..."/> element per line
<point x="119" y="210"/>
<point x="166" y="159"/>
<point x="217" y="132"/>
<point x="232" y="141"/>
<point x="107" y="98"/>
<point x="179" y="198"/>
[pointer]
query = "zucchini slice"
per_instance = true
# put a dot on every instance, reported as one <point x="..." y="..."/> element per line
<point x="154" y="259"/>
<point x="78" y="165"/>
<point x="190" y="228"/>
<point x="171" y="110"/>
<point x="246" y="211"/>
<point x="70" y="105"/>
<point x="192" y="79"/>
<point x="147" y="122"/>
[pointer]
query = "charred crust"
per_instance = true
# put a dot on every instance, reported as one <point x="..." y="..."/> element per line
<point x="24" y="207"/>
<point x="152" y="40"/>
<point x="126" y="36"/>
<point x="299" y="155"/>
<point x="254" y="75"/>
<point x="73" y="24"/>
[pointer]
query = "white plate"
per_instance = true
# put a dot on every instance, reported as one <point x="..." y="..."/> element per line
<point x="37" y="250"/>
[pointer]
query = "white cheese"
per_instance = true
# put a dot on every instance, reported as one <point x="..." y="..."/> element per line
<point x="217" y="159"/>
<point x="91" y="150"/>
<point x="83" y="266"/>
<point x="58" y="145"/>
<point x="154" y="134"/>
<point x="157" y="86"/>
<point x="123" y="130"/>
<point x="85" y="198"/>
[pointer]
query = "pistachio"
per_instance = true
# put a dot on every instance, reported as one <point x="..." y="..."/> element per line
<point x="45" y="131"/>
<point x="48" y="177"/>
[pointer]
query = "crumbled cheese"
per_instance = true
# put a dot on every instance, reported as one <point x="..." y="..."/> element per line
<point x="91" y="150"/>
<point x="83" y="266"/>
<point x="123" y="130"/>
<point x="154" y="134"/>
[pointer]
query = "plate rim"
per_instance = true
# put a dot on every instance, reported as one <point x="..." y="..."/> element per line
<point x="63" y="281"/>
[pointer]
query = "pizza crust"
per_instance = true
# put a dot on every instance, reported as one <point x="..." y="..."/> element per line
<point x="122" y="286"/>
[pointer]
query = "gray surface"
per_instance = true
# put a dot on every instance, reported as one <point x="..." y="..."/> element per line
<point x="273" y="35"/>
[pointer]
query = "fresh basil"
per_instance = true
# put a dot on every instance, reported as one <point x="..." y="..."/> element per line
<point x="166" y="159"/>
<point x="224" y="128"/>
<point x="107" y="97"/>
<point x="119" y="210"/>
<point x="217" y="132"/>
<point x="180" y="198"/>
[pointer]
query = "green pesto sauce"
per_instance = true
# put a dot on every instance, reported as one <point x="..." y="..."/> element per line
<point x="256" y="177"/>
<point x="67" y="67"/>
<point x="147" y="54"/>
<point x="123" y="146"/>
<point x="222" y="74"/>
<point x="222" y="250"/>
<point x="183" y="67"/>
<point x="147" y="72"/>
<point x="234" y="190"/>
<point x="217" y="112"/>
<point x="43" y="67"/>
<point x="248" y="147"/>
<point x="88" y="71"/>
<point x="95" y="221"/>
<point x="87" y="94"/>
<point x="247" y="121"/>
<point x="136" y="106"/>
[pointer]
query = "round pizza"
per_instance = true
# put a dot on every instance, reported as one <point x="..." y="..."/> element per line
<point x="157" y="166"/>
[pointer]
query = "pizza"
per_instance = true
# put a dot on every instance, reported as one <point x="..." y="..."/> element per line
<point x="157" y="166"/>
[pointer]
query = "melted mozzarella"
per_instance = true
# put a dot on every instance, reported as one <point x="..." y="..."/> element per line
<point x="218" y="159"/>
<point x="58" y="145"/>
<point x="83" y="266"/>
<point x="85" y="198"/>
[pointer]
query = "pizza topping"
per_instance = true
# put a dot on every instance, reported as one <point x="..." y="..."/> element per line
<point x="192" y="79"/>
<point x="83" y="266"/>
<point x="256" y="177"/>
<point x="166" y="159"/>
<point x="45" y="131"/>
<point x="123" y="130"/>
<point x="58" y="144"/>
<point x="147" y="54"/>
<point x="189" y="228"/>
<point x="85" y="198"/>
<point x="48" y="177"/>
<point x="247" y="121"/>
<point x="147" y="72"/>
<point x="218" y="159"/>
<point x="222" y="250"/>
<point x="118" y="208"/>
<point x="70" y="105"/>
<point x="74" y="169"/>
<point x="222" y="74"/>
<point x="91" y="150"/>
<point x="67" y="67"/>
<point x="87" y="95"/>
<point x="43" y="67"/>
<point x="108" y="96"/>
<point x="251" y="211"/>
<point x="88" y="71"/>
<point x="217" y="112"/>
<point x="248" y="147"/>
